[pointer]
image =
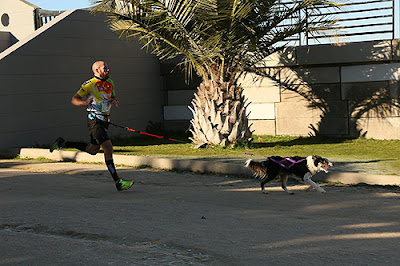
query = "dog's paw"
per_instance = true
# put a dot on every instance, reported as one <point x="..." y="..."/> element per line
<point x="311" y="188"/>
<point x="288" y="191"/>
<point x="322" y="190"/>
<point x="264" y="192"/>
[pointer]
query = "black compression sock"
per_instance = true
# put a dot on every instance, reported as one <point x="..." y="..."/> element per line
<point x="77" y="145"/>
<point x="112" y="170"/>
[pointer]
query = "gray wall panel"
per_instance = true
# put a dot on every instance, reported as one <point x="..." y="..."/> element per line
<point x="40" y="77"/>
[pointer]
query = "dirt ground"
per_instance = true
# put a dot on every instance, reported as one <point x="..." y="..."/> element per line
<point x="71" y="214"/>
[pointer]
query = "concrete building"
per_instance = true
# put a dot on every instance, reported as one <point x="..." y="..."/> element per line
<point x="40" y="73"/>
<point x="17" y="18"/>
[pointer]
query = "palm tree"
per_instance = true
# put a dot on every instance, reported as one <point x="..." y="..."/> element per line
<point x="220" y="41"/>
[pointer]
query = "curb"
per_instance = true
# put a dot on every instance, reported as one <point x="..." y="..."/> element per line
<point x="200" y="166"/>
<point x="137" y="161"/>
<point x="358" y="178"/>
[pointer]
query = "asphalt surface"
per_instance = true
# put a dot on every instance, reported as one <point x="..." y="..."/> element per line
<point x="71" y="214"/>
<point x="372" y="172"/>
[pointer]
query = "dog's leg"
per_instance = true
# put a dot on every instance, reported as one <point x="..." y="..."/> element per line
<point x="308" y="181"/>
<point x="284" y="178"/>
<point x="265" y="180"/>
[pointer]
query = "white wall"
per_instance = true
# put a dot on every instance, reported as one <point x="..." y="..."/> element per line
<point x="21" y="18"/>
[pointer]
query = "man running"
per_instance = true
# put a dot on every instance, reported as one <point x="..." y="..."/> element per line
<point x="98" y="95"/>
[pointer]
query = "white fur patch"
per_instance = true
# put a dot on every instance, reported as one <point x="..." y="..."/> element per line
<point x="311" y="166"/>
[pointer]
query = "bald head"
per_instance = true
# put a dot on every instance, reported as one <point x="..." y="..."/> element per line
<point x="100" y="69"/>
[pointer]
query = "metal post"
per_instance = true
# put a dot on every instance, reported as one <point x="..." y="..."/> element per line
<point x="306" y="27"/>
<point x="38" y="22"/>
<point x="300" y="35"/>
<point x="393" y="19"/>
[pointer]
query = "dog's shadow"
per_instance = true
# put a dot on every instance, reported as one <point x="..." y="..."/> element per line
<point x="360" y="166"/>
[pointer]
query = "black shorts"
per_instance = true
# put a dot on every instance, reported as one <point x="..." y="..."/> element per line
<point x="98" y="131"/>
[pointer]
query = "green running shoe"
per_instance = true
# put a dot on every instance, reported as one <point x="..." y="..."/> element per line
<point x="58" y="143"/>
<point x="124" y="185"/>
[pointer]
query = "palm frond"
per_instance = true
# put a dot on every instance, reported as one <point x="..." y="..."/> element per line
<point x="237" y="34"/>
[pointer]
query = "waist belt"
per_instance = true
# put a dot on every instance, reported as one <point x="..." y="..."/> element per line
<point x="102" y="117"/>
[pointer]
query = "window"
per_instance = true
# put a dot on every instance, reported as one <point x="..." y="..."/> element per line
<point x="5" y="20"/>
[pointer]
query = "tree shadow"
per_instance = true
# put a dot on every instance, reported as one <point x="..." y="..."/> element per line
<point x="302" y="141"/>
<point x="359" y="166"/>
<point x="9" y="153"/>
<point x="12" y="164"/>
<point x="345" y="108"/>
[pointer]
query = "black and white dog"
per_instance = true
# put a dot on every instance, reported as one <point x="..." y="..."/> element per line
<point x="302" y="168"/>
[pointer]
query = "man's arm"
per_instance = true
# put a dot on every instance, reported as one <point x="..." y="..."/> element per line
<point x="114" y="101"/>
<point x="77" y="100"/>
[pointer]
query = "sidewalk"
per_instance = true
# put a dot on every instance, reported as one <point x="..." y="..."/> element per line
<point x="353" y="172"/>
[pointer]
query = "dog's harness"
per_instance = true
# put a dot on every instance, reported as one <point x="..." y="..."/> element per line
<point x="281" y="162"/>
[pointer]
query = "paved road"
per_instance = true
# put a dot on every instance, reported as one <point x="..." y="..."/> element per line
<point x="70" y="214"/>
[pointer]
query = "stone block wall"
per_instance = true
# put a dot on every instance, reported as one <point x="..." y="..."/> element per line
<point x="178" y="94"/>
<point x="347" y="90"/>
<point x="350" y="90"/>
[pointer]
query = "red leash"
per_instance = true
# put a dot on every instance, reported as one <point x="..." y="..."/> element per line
<point x="145" y="133"/>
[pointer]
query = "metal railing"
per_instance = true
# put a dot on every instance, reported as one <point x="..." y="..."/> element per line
<point x="358" y="20"/>
<point x="44" y="16"/>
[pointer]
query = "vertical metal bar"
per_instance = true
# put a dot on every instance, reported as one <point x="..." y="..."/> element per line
<point x="393" y="19"/>
<point x="306" y="26"/>
<point x="300" y="35"/>
<point x="38" y="21"/>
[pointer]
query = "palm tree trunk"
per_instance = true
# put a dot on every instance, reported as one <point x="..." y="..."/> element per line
<point x="219" y="115"/>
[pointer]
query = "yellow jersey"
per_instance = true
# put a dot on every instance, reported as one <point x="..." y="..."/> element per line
<point x="102" y="92"/>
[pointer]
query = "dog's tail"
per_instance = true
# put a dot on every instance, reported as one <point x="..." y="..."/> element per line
<point x="258" y="169"/>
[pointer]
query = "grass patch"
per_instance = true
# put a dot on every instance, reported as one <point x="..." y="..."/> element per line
<point x="263" y="146"/>
<point x="39" y="159"/>
<point x="379" y="154"/>
<point x="383" y="153"/>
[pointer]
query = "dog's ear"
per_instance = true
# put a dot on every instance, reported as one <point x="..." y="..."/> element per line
<point x="314" y="159"/>
<point x="320" y="159"/>
<point x="317" y="159"/>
